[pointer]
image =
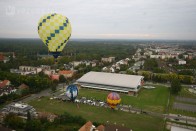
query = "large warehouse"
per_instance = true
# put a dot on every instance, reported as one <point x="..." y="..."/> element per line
<point x="111" y="81"/>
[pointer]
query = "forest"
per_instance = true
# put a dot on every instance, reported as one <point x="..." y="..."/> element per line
<point x="27" y="51"/>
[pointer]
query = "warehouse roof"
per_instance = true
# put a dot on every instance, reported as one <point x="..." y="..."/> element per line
<point x="111" y="79"/>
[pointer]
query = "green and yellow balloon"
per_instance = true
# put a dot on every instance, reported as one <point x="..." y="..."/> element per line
<point x="55" y="31"/>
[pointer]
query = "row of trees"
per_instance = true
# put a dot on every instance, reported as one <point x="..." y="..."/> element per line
<point x="35" y="82"/>
<point x="42" y="124"/>
<point x="163" y="77"/>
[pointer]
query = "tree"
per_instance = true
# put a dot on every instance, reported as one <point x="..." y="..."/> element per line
<point x="62" y="79"/>
<point x="180" y="56"/>
<point x="33" y="125"/>
<point x="150" y="64"/>
<point x="13" y="121"/>
<point x="175" y="86"/>
<point x="28" y="116"/>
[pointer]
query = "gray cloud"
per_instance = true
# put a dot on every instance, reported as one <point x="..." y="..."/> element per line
<point x="130" y="19"/>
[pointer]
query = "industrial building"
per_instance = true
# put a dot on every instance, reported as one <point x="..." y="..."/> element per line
<point x="111" y="81"/>
<point x="20" y="109"/>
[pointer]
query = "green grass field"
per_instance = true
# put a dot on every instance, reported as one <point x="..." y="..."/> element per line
<point x="148" y="99"/>
<point x="137" y="122"/>
<point x="185" y="93"/>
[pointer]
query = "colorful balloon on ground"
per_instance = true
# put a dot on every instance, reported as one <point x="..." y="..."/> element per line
<point x="72" y="92"/>
<point x="113" y="99"/>
<point x="55" y="31"/>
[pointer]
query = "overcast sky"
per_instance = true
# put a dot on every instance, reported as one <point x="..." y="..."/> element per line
<point x="112" y="19"/>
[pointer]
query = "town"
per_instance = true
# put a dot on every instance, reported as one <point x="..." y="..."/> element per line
<point x="156" y="82"/>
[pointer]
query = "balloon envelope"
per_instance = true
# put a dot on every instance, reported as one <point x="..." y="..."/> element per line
<point x="72" y="92"/>
<point x="113" y="99"/>
<point x="55" y="31"/>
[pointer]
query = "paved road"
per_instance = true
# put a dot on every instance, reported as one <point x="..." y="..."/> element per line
<point x="46" y="92"/>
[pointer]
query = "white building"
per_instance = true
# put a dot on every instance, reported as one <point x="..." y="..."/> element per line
<point x="20" y="109"/>
<point x="109" y="59"/>
<point x="182" y="62"/>
<point x="111" y="82"/>
<point x="25" y="70"/>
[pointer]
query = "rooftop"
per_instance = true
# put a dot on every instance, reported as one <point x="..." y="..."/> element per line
<point x="20" y="105"/>
<point x="65" y="72"/>
<point x="111" y="79"/>
<point x="3" y="83"/>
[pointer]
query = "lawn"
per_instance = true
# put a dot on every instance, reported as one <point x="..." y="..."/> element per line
<point x="185" y="93"/>
<point x="137" y="122"/>
<point x="148" y="99"/>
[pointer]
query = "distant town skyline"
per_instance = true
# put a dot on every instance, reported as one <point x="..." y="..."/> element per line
<point x="99" y="19"/>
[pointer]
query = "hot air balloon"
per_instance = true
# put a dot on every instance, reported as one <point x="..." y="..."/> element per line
<point x="72" y="92"/>
<point x="55" y="31"/>
<point x="113" y="99"/>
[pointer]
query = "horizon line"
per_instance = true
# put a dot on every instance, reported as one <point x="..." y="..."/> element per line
<point x="107" y="39"/>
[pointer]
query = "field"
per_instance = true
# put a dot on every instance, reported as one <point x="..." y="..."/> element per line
<point x="137" y="122"/>
<point x="148" y="99"/>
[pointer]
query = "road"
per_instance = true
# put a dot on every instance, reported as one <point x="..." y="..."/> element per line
<point x="173" y="117"/>
<point x="46" y="92"/>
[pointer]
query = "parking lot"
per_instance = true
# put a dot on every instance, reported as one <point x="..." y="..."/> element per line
<point x="184" y="99"/>
<point x="92" y="102"/>
<point x="186" y="107"/>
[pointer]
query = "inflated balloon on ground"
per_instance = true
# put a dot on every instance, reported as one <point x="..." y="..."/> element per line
<point x="113" y="99"/>
<point x="72" y="92"/>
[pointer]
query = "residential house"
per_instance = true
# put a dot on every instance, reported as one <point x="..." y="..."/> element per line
<point x="108" y="59"/>
<point x="45" y="67"/>
<point x="49" y="72"/>
<point x="54" y="76"/>
<point x="134" y="68"/>
<point x="93" y="64"/>
<point x="4" y="83"/>
<point x="122" y="62"/>
<point x="4" y="58"/>
<point x="76" y="63"/>
<point x="185" y="56"/>
<point x="105" y="69"/>
<point x="66" y="73"/>
<point x="7" y="90"/>
<point x="90" y="127"/>
<point x="112" y="70"/>
<point x="21" y="88"/>
<point x="181" y="62"/>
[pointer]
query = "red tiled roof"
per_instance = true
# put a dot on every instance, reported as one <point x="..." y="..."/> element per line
<point x="65" y="72"/>
<point x="1" y="57"/>
<point x="100" y="128"/>
<point x="86" y="127"/>
<point x="23" y="86"/>
<point x="55" y="77"/>
<point x="4" y="83"/>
